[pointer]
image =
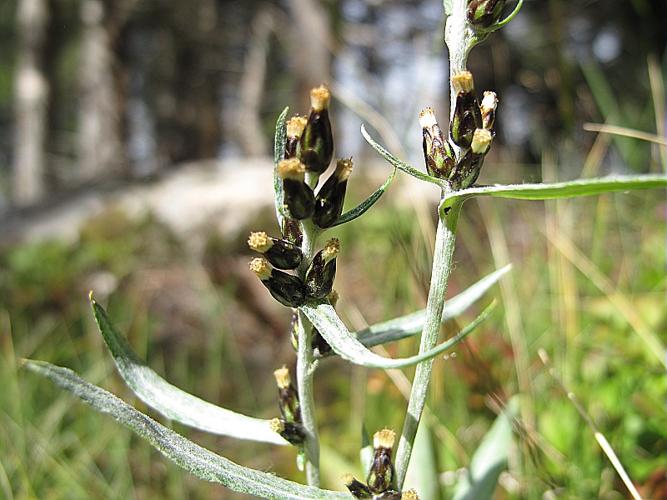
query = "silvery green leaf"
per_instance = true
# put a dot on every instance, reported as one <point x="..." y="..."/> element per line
<point x="199" y="461"/>
<point x="366" y="451"/>
<point x="347" y="346"/>
<point x="581" y="187"/>
<point x="173" y="402"/>
<point x="449" y="7"/>
<point x="279" y="142"/>
<point x="412" y="324"/>
<point x="401" y="165"/>
<point x="490" y="458"/>
<point x="422" y="473"/>
<point x="366" y="204"/>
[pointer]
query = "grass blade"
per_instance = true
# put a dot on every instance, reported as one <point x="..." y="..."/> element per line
<point x="360" y="209"/>
<point x="348" y="347"/>
<point x="412" y="324"/>
<point x="490" y="458"/>
<point x="569" y="189"/>
<point x="173" y="402"/>
<point x="401" y="165"/>
<point x="279" y="142"/>
<point x="199" y="461"/>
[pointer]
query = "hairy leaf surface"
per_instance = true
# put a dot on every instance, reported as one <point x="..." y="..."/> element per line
<point x="173" y="402"/>
<point x="199" y="461"/>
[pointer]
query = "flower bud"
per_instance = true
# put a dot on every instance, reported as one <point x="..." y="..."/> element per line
<point x="331" y="196"/>
<point x="488" y="109"/>
<point x="295" y="126"/>
<point x="291" y="231"/>
<point x="481" y="141"/>
<point x="285" y="288"/>
<point x="467" y="116"/>
<point x="485" y="13"/>
<point x="288" y="399"/>
<point x="280" y="253"/>
<point x="381" y="476"/>
<point x="356" y="487"/>
<point x="316" y="144"/>
<point x="298" y="196"/>
<point x="468" y="168"/>
<point x="291" y="432"/>
<point x="322" y="271"/>
<point x="438" y="154"/>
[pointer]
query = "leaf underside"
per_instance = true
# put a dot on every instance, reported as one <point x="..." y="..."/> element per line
<point x="413" y="323"/>
<point x="190" y="456"/>
<point x="540" y="191"/>
<point x="347" y="346"/>
<point x="173" y="402"/>
<point x="490" y="458"/>
<point x="279" y="142"/>
<point x="360" y="209"/>
<point x="552" y="191"/>
<point x="400" y="164"/>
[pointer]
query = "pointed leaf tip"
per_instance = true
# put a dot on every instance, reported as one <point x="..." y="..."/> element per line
<point x="173" y="402"/>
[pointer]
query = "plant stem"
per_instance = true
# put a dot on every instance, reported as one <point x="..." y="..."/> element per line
<point x="460" y="40"/>
<point x="442" y="266"/>
<point x="305" y="369"/>
<point x="305" y="364"/>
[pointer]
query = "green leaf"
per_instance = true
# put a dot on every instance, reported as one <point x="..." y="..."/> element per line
<point x="510" y="16"/>
<point x="581" y="187"/>
<point x="449" y="7"/>
<point x="412" y="324"/>
<point x="199" y="461"/>
<point x="173" y="402"/>
<point x="401" y="165"/>
<point x="490" y="458"/>
<point x="278" y="151"/>
<point x="345" y="344"/>
<point x="366" y="451"/>
<point x="366" y="204"/>
<point x="422" y="473"/>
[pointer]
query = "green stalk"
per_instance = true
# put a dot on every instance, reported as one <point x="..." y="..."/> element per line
<point x="305" y="364"/>
<point x="460" y="39"/>
<point x="442" y="266"/>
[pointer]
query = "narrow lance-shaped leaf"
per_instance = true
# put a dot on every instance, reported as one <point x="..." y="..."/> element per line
<point x="360" y="209"/>
<point x="422" y="472"/>
<point x="173" y="402"/>
<point x="412" y="324"/>
<point x="401" y="165"/>
<point x="324" y="318"/>
<point x="199" y="461"/>
<point x="490" y="458"/>
<point x="581" y="187"/>
<point x="278" y="151"/>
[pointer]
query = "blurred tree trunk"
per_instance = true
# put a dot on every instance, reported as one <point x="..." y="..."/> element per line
<point x="31" y="93"/>
<point x="312" y="43"/>
<point x="251" y="88"/>
<point x="100" y="150"/>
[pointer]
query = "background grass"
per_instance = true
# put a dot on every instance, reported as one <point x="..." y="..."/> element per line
<point x="202" y="323"/>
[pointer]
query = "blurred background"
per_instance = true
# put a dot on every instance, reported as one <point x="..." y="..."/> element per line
<point x="134" y="158"/>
